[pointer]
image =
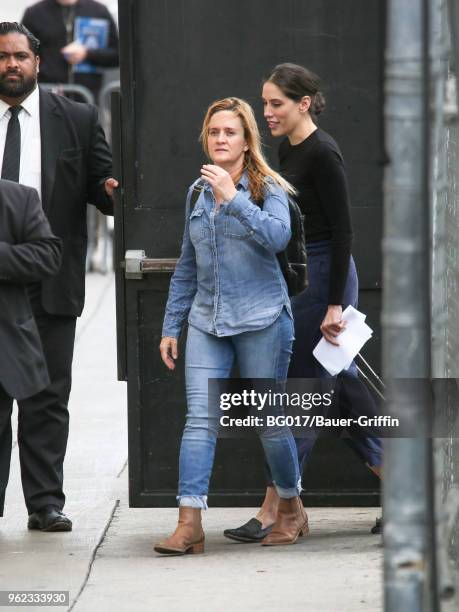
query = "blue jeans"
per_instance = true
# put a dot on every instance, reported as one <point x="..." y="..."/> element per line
<point x="264" y="353"/>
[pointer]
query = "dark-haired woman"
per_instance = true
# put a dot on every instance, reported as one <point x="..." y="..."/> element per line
<point x="311" y="161"/>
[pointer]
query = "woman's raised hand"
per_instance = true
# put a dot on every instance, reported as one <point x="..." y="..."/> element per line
<point x="333" y="324"/>
<point x="220" y="181"/>
<point x="169" y="351"/>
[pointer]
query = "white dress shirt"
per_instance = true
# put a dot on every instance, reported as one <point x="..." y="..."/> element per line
<point x="29" y="120"/>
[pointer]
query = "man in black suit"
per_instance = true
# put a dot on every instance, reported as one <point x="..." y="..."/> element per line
<point x="57" y="146"/>
<point x="28" y="253"/>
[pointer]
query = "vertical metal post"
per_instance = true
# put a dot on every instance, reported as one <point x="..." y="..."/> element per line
<point x="439" y="183"/>
<point x="406" y="307"/>
<point x="440" y="55"/>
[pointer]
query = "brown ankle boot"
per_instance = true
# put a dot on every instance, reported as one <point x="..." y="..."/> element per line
<point x="188" y="536"/>
<point x="291" y="522"/>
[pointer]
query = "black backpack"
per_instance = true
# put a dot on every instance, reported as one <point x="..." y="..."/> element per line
<point x="292" y="259"/>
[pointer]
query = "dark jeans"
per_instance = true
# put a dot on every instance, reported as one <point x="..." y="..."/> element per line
<point x="309" y="309"/>
<point x="43" y="419"/>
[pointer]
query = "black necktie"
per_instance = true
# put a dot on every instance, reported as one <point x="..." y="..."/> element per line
<point x="12" y="152"/>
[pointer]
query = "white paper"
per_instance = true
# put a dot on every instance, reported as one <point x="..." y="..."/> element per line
<point x="356" y="333"/>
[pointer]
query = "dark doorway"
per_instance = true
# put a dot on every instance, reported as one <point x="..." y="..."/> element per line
<point x="177" y="57"/>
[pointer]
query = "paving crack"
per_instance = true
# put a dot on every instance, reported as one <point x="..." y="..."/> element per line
<point x="94" y="555"/>
<point x="122" y="469"/>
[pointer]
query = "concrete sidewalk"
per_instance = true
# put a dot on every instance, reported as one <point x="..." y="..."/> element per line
<point x="108" y="563"/>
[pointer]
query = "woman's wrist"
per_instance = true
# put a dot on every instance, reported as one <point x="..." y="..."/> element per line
<point x="230" y="195"/>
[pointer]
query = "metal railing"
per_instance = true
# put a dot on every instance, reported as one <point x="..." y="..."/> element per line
<point x="105" y="109"/>
<point x="101" y="259"/>
<point x="66" y="89"/>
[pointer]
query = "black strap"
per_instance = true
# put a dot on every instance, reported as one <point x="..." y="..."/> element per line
<point x="195" y="195"/>
<point x="12" y="151"/>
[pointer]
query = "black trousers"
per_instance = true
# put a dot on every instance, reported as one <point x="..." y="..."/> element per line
<point x="43" y="419"/>
<point x="6" y="405"/>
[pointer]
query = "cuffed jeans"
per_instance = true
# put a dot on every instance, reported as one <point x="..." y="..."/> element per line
<point x="264" y="353"/>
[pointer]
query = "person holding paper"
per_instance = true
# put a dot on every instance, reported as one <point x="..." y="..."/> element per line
<point x="335" y="358"/>
<point x="311" y="161"/>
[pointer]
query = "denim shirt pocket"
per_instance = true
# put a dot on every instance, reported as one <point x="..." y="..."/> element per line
<point x="197" y="225"/>
<point x="233" y="228"/>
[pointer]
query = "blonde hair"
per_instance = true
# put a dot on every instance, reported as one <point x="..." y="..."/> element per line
<point x="258" y="169"/>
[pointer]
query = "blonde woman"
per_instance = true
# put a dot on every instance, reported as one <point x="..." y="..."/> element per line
<point x="229" y="284"/>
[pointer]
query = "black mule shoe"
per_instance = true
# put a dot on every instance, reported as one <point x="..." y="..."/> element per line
<point x="251" y="531"/>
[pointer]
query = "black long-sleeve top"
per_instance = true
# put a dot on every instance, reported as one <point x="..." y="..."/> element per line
<point x="315" y="167"/>
<point x="46" y="20"/>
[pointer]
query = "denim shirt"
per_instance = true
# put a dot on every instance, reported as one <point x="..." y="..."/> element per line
<point x="227" y="279"/>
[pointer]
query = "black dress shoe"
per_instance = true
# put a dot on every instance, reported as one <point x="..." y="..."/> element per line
<point x="49" y="518"/>
<point x="378" y="526"/>
<point x="252" y="531"/>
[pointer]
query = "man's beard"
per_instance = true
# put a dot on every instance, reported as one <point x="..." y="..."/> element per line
<point x="16" y="89"/>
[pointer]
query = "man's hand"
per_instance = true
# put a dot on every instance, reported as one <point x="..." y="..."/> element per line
<point x="74" y="53"/>
<point x="169" y="351"/>
<point x="333" y="324"/>
<point x="220" y="181"/>
<point x="110" y="185"/>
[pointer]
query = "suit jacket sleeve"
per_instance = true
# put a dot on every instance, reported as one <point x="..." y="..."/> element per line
<point x="99" y="167"/>
<point x="36" y="253"/>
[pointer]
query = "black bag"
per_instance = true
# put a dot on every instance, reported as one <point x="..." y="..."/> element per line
<point x="292" y="259"/>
